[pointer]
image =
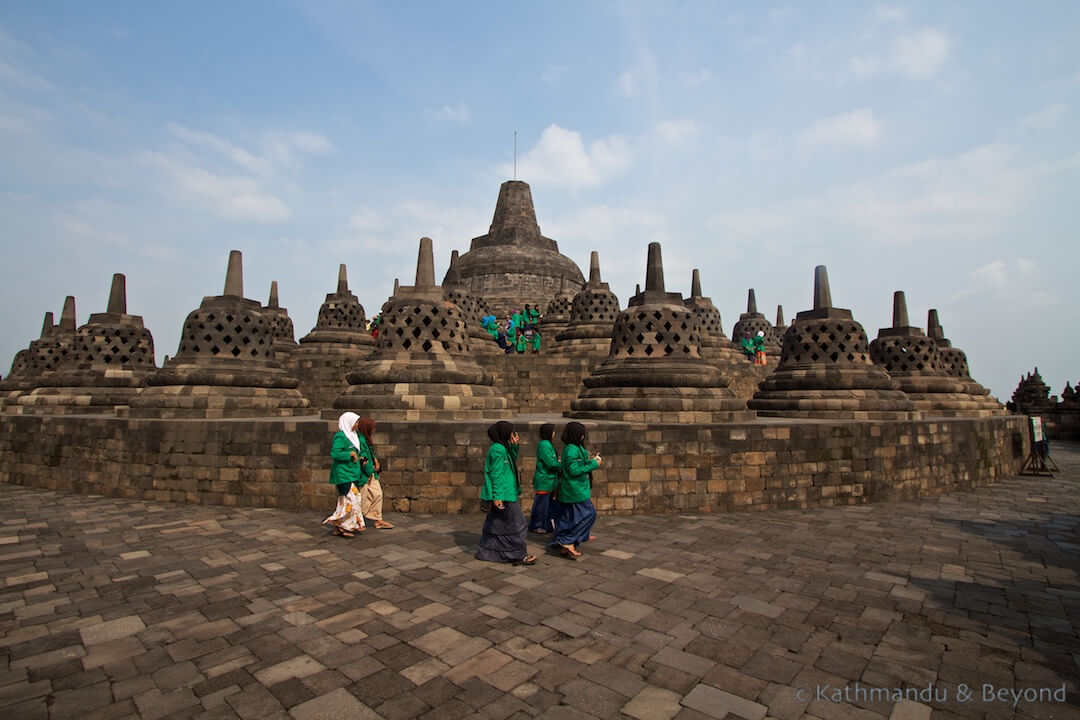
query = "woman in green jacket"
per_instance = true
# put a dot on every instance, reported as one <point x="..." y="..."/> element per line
<point x="346" y="474"/>
<point x="576" y="513"/>
<point x="503" y="538"/>
<point x="371" y="495"/>
<point x="542" y="517"/>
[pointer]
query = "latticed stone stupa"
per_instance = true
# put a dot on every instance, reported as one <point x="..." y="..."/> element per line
<point x="715" y="345"/>
<point x="471" y="307"/>
<point x="284" y="335"/>
<point x="514" y="264"/>
<point x="224" y="366"/>
<point x="335" y="345"/>
<point x="655" y="371"/>
<point x="825" y="369"/>
<point x="954" y="363"/>
<point x="21" y="364"/>
<point x="911" y="357"/>
<point x="107" y="362"/>
<point x="779" y="327"/>
<point x="557" y="314"/>
<point x="422" y="368"/>
<point x="592" y="314"/>
<point x="754" y="322"/>
<point x="48" y="352"/>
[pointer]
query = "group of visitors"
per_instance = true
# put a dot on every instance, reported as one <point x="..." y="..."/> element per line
<point x="519" y="332"/>
<point x="754" y="347"/>
<point x="562" y="504"/>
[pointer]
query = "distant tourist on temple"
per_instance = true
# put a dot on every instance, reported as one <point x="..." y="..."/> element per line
<point x="532" y="316"/>
<point x="759" y="348"/>
<point x="509" y="337"/>
<point x="504" y="534"/>
<point x="375" y="323"/>
<point x="519" y="319"/>
<point x="575" y="515"/>
<point x="535" y="346"/>
<point x="490" y="324"/>
<point x="747" y="345"/>
<point x="371" y="495"/>
<point x="346" y="476"/>
<point x="519" y="343"/>
<point x="542" y="517"/>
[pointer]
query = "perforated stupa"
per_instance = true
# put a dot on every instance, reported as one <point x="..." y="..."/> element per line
<point x="715" y="345"/>
<point x="472" y="308"/>
<point x="592" y="315"/>
<point x="655" y="371"/>
<point x="753" y="322"/>
<point x="422" y="367"/>
<point x="825" y="369"/>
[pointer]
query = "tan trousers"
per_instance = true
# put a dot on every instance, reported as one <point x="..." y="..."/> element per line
<point x="371" y="500"/>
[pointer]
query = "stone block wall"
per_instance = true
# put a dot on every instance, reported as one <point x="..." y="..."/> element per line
<point x="437" y="466"/>
<point x="539" y="383"/>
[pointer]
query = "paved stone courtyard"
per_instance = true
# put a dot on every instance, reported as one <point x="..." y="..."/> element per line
<point x="113" y="608"/>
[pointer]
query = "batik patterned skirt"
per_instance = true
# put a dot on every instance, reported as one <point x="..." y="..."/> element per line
<point x="347" y="515"/>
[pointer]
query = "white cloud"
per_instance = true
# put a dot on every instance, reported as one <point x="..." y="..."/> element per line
<point x="1045" y="119"/>
<point x="366" y="219"/>
<point x="628" y="85"/>
<point x="887" y="14"/>
<point x="858" y="128"/>
<point x="220" y="145"/>
<point x="279" y="148"/>
<point x="1026" y="265"/>
<point x="282" y="148"/>
<point x="230" y="196"/>
<point x="458" y="114"/>
<point x="11" y="75"/>
<point x="864" y="66"/>
<point x="677" y="132"/>
<point x="561" y="158"/>
<point x="920" y="54"/>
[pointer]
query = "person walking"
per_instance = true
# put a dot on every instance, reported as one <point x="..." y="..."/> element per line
<point x="576" y="514"/>
<point x="542" y="516"/>
<point x="504" y="533"/>
<point x="346" y="476"/>
<point x="371" y="496"/>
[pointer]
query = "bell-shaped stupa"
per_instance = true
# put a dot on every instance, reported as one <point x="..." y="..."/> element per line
<point x="557" y="315"/>
<point x="909" y="356"/>
<point x="655" y="371"/>
<point x="753" y="322"/>
<point x="514" y="264"/>
<point x="224" y="366"/>
<point x="954" y="363"/>
<point x="52" y="350"/>
<point x="284" y="335"/>
<point x="422" y="368"/>
<point x="472" y="308"/>
<point x="21" y="364"/>
<point x="109" y="359"/>
<point x="339" y="340"/>
<point x="715" y="345"/>
<point x="825" y="369"/>
<point x="592" y="315"/>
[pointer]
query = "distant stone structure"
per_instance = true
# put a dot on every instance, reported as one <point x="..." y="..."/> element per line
<point x="284" y="335"/>
<point x="913" y="359"/>
<point x="779" y="327"/>
<point x="422" y="368"/>
<point x="514" y="264"/>
<point x="954" y="361"/>
<point x="105" y="366"/>
<point x="715" y="345"/>
<point x="224" y="366"/>
<point x="22" y="364"/>
<point x="592" y="315"/>
<point x="472" y="308"/>
<point x="1061" y="420"/>
<point x="655" y="371"/>
<point x="825" y="369"/>
<point x="335" y="345"/>
<point x="754" y="322"/>
<point x="52" y="350"/>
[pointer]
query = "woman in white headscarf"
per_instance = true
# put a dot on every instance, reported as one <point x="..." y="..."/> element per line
<point x="347" y="475"/>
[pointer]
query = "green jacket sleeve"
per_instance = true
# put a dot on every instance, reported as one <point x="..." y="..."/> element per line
<point x="577" y="462"/>
<point x="342" y="449"/>
<point x="500" y="480"/>
<point x="367" y="469"/>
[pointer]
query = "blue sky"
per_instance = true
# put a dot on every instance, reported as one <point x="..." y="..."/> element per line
<point x="931" y="148"/>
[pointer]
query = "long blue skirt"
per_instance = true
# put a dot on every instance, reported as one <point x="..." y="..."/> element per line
<point x="542" y="516"/>
<point x="574" y="522"/>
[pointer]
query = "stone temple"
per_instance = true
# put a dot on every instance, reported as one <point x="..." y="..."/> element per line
<point x="514" y="264"/>
<point x="685" y="423"/>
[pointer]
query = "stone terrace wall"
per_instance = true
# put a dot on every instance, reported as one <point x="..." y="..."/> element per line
<point x="437" y="466"/>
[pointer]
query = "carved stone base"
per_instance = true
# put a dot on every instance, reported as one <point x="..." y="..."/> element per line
<point x="218" y="401"/>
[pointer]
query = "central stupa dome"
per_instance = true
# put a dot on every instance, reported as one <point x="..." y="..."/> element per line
<point x="514" y="264"/>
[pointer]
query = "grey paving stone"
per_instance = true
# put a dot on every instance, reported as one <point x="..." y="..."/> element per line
<point x="716" y="703"/>
<point x="334" y="705"/>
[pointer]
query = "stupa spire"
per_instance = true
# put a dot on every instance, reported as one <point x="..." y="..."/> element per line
<point x="273" y="301"/>
<point x="453" y="274"/>
<point x="67" y="317"/>
<point x="48" y="325"/>
<point x="425" y="265"/>
<point x="822" y="295"/>
<point x="654" y="270"/>
<point x="118" y="295"/>
<point x="933" y="326"/>
<point x="695" y="284"/>
<point x="594" y="268"/>
<point x="234" y="276"/>
<point x="899" y="310"/>
<point x="342" y="279"/>
<point x="751" y="302"/>
<point x="779" y="316"/>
